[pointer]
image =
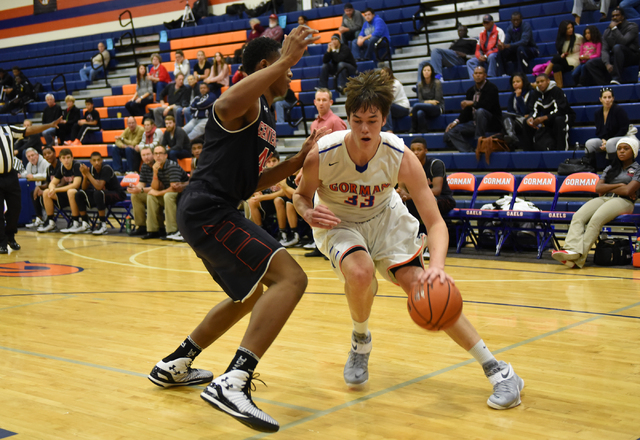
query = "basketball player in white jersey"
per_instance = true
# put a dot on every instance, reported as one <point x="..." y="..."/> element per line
<point x="361" y="224"/>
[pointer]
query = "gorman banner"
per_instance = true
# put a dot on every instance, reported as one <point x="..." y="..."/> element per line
<point x="43" y="6"/>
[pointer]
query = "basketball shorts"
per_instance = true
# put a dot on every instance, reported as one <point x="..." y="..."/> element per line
<point x="235" y="251"/>
<point x="62" y="200"/>
<point x="391" y="238"/>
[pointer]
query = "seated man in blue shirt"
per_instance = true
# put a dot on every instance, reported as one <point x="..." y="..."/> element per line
<point x="518" y="45"/>
<point x="363" y="48"/>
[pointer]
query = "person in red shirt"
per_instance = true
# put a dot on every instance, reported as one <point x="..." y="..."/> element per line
<point x="326" y="118"/>
<point x="158" y="74"/>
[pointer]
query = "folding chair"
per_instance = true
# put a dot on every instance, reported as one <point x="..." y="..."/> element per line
<point x="460" y="184"/>
<point x="535" y="183"/>
<point x="498" y="182"/>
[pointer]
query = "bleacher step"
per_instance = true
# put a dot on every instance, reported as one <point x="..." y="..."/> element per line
<point x="123" y="72"/>
<point x="97" y="92"/>
<point x="155" y="38"/>
<point x="139" y="51"/>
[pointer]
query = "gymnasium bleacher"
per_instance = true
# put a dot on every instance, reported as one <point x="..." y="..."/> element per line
<point x="226" y="33"/>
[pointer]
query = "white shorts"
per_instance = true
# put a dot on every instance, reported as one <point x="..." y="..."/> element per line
<point x="391" y="238"/>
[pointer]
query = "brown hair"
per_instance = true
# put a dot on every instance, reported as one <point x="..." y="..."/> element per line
<point x="369" y="89"/>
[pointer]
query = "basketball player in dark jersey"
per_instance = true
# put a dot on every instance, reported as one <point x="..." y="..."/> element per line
<point x="241" y="257"/>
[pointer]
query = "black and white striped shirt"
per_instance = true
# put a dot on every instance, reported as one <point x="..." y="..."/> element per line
<point x="9" y="134"/>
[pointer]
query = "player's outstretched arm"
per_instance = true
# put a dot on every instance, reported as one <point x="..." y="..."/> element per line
<point x="413" y="177"/>
<point x="240" y="101"/>
<point x="320" y="216"/>
<point x="290" y="166"/>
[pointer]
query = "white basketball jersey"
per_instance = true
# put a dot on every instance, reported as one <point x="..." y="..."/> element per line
<point x="353" y="193"/>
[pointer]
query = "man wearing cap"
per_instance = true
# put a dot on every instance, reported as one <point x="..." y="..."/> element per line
<point x="338" y="58"/>
<point x="352" y="22"/>
<point x="274" y="31"/>
<point x="487" y="48"/>
<point x="372" y="31"/>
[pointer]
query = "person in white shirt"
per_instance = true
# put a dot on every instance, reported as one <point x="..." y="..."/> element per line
<point x="181" y="65"/>
<point x="36" y="168"/>
<point x="400" y="106"/>
<point x="98" y="64"/>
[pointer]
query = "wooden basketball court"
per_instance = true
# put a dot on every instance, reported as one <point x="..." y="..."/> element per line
<point x="83" y="319"/>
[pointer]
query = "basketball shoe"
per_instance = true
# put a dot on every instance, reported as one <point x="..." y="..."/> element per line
<point x="506" y="386"/>
<point x="178" y="372"/>
<point x="231" y="394"/>
<point x="101" y="228"/>
<point x="565" y="257"/>
<point x="356" y="370"/>
<point x="34" y="224"/>
<point x="49" y="226"/>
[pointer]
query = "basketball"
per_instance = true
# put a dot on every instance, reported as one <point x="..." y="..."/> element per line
<point x="435" y="307"/>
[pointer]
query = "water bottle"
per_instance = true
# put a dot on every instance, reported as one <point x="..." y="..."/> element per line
<point x="55" y="140"/>
<point x="637" y="246"/>
<point x="127" y="224"/>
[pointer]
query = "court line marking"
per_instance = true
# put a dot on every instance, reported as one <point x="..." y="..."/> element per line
<point x="133" y="260"/>
<point x="431" y="375"/>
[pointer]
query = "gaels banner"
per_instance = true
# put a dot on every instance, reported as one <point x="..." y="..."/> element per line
<point x="43" y="6"/>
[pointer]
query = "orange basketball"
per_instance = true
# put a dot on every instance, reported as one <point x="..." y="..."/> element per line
<point x="436" y="307"/>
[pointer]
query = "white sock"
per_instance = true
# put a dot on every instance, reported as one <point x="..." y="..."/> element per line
<point x="361" y="327"/>
<point x="482" y="354"/>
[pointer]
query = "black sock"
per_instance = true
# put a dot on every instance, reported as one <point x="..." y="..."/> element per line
<point x="188" y="349"/>
<point x="85" y="218"/>
<point x="75" y="218"/>
<point x="244" y="360"/>
<point x="103" y="219"/>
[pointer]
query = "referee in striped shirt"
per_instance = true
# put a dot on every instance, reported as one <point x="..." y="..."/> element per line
<point x="9" y="184"/>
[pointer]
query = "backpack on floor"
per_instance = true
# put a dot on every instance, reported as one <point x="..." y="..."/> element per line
<point x="612" y="252"/>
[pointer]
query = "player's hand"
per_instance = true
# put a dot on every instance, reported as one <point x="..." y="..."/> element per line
<point x="321" y="217"/>
<point x="295" y="44"/>
<point x="313" y="139"/>
<point x="431" y="275"/>
<point x="404" y="195"/>
<point x="84" y="169"/>
<point x="57" y="122"/>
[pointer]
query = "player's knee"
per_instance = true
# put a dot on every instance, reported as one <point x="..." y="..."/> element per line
<point x="299" y="281"/>
<point x="360" y="276"/>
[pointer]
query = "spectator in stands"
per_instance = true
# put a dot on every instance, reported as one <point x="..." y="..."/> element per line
<point x="6" y="82"/>
<point x="256" y="29"/>
<point x="550" y="116"/>
<point x="460" y="51"/>
<point x="629" y="8"/>
<point x="90" y="123"/>
<point x="98" y="64"/>
<point x="400" y="106"/>
<point x="181" y="64"/>
<point x="612" y="123"/>
<point x="100" y="188"/>
<point x="591" y="48"/>
<point x="54" y="165"/>
<point x="128" y="145"/>
<point x="167" y="182"/>
<point x="37" y="166"/>
<point x="193" y="92"/>
<point x="326" y="118"/>
<point x="137" y="106"/>
<point x="274" y="31"/>
<point x="152" y="135"/>
<point x="17" y="99"/>
<point x="70" y="116"/>
<point x="513" y="120"/>
<point x="262" y="203"/>
<point x="519" y="45"/>
<point x="202" y="69"/>
<point x="200" y="108"/>
<point x="430" y="103"/>
<point x="196" y="149"/>
<point x="590" y="5"/>
<point x="619" y="187"/>
<point x="139" y="192"/>
<point x="19" y="73"/>
<point x="487" y="49"/>
<point x="62" y="191"/>
<point x="282" y="105"/>
<point x="237" y="55"/>
<point x="352" y="22"/>
<point x="173" y="99"/>
<point x="175" y="140"/>
<point x="219" y="76"/>
<point x="158" y="75"/>
<point x="437" y="179"/>
<point x="363" y="48"/>
<point x="338" y="57"/>
<point x="21" y="146"/>
<point x="239" y="75"/>
<point x="50" y="113"/>
<point x="568" y="45"/>
<point x="620" y="49"/>
<point x="481" y="113"/>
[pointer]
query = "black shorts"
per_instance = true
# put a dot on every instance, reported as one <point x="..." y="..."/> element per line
<point x="235" y="251"/>
<point x="63" y="200"/>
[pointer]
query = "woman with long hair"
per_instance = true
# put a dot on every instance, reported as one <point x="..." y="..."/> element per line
<point x="568" y="45"/>
<point x="430" y="103"/>
<point x="618" y="188"/>
<point x="219" y="76"/>
<point x="202" y="69"/>
<point x="612" y="123"/>
<point x="513" y="119"/>
<point x="144" y="93"/>
<point x="400" y="106"/>
<point x="591" y="48"/>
